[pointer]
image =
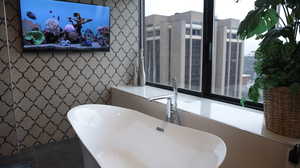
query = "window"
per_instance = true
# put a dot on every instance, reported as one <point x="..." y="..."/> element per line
<point x="149" y="62"/>
<point x="233" y="59"/>
<point x="231" y="35"/>
<point x="196" y="32"/>
<point x="157" y="32"/>
<point x="152" y="61"/>
<point x="149" y="33"/>
<point x="196" y="65"/>
<point x="178" y="51"/>
<point x="149" y="25"/>
<point x="187" y="75"/>
<point x="234" y="36"/>
<point x="205" y="55"/>
<point x="193" y="62"/>
<point x="157" y="60"/>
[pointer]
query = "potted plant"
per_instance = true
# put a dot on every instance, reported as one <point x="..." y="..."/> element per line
<point x="277" y="24"/>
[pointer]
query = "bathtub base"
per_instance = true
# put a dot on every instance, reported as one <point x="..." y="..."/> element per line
<point x="88" y="159"/>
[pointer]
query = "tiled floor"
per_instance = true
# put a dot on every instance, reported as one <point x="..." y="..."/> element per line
<point x="66" y="154"/>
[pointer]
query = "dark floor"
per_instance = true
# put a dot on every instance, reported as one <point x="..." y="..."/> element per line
<point x="66" y="154"/>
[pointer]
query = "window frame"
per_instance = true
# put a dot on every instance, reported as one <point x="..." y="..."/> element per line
<point x="207" y="28"/>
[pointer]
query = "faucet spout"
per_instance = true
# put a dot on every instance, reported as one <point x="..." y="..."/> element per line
<point x="172" y="114"/>
<point x="160" y="98"/>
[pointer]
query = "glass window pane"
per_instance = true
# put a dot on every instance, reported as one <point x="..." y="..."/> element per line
<point x="173" y="44"/>
<point x="233" y="59"/>
<point x="157" y="32"/>
<point x="149" y="33"/>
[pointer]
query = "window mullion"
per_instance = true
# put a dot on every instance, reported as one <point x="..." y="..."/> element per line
<point x="208" y="28"/>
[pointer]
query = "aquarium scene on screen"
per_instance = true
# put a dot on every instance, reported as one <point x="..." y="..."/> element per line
<point x="51" y="24"/>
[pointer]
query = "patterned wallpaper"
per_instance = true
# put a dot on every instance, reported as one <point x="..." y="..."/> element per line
<point x="47" y="84"/>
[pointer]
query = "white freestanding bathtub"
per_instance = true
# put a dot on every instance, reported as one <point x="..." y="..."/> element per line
<point x="115" y="137"/>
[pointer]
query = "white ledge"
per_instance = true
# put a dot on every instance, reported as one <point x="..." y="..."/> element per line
<point x="246" y="119"/>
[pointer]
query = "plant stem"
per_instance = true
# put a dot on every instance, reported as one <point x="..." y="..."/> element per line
<point x="282" y="21"/>
<point x="296" y="29"/>
<point x="293" y="25"/>
<point x="285" y="13"/>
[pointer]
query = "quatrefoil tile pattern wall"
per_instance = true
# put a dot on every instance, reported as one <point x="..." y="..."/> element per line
<point x="45" y="85"/>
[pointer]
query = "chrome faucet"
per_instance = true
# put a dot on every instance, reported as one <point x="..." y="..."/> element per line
<point x="172" y="114"/>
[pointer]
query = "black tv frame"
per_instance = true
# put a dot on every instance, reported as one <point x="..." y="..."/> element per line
<point x="62" y="49"/>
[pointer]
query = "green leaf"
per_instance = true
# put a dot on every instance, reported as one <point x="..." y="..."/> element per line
<point x="287" y="50"/>
<point x="257" y="22"/>
<point x="275" y="33"/>
<point x="297" y="12"/>
<point x="295" y="6"/>
<point x="270" y="18"/>
<point x="254" y="93"/>
<point x="270" y="49"/>
<point x="248" y="25"/>
<point x="292" y="3"/>
<point x="258" y="66"/>
<point x="243" y="101"/>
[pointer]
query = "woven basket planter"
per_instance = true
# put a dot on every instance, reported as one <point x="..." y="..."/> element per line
<point x="282" y="111"/>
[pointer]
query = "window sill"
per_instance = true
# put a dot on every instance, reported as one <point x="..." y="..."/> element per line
<point x="245" y="119"/>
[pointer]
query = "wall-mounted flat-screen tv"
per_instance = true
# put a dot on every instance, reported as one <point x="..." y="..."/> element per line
<point x="60" y="25"/>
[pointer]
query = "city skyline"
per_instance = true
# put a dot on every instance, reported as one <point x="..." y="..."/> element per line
<point x="158" y="7"/>
<point x="167" y="58"/>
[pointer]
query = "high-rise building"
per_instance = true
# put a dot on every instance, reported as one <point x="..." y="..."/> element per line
<point x="174" y="49"/>
<point x="228" y="60"/>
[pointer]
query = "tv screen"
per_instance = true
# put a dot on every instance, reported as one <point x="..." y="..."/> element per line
<point x="58" y="25"/>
